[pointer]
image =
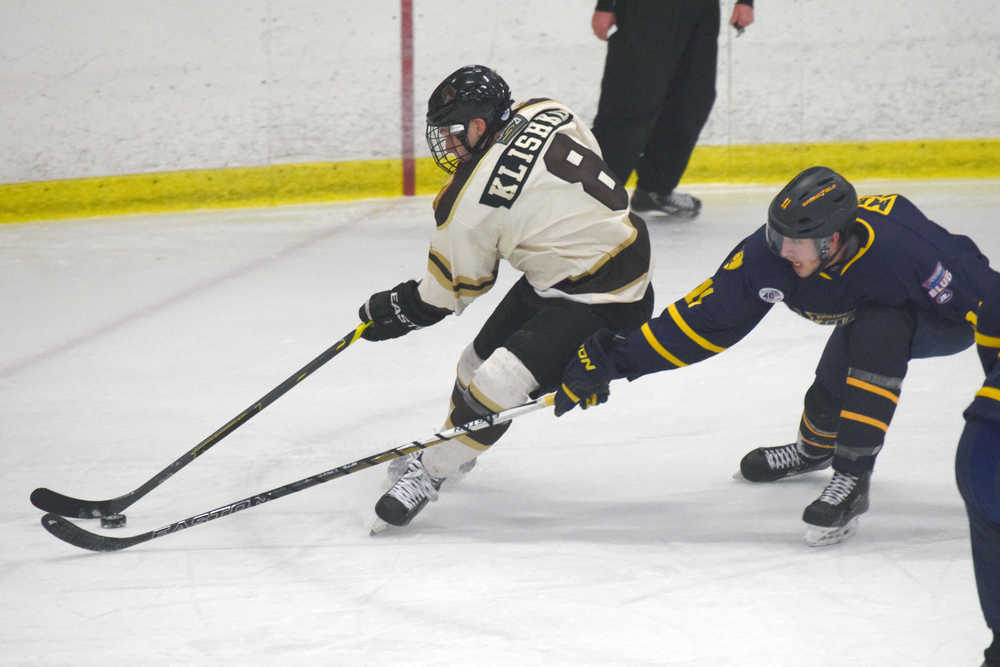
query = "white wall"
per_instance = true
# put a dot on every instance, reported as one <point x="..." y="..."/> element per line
<point x="111" y="87"/>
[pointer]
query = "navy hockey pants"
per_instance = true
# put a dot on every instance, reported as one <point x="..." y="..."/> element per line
<point x="977" y="471"/>
<point x="932" y="337"/>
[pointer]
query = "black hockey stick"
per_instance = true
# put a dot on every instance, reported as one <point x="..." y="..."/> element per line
<point x="57" y="503"/>
<point x="68" y="531"/>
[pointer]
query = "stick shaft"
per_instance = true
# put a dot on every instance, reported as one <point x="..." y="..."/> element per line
<point x="57" y="503"/>
<point x="77" y="536"/>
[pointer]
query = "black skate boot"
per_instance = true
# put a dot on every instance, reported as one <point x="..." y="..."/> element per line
<point x="675" y="204"/>
<point x="408" y="495"/>
<point x="767" y="464"/>
<point x="833" y="516"/>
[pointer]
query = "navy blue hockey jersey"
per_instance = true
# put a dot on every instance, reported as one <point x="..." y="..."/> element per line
<point x="902" y="257"/>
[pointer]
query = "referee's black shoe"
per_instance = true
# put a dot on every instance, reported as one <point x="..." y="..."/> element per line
<point x="674" y="204"/>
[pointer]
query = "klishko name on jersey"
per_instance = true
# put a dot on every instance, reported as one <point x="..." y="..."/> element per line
<point x="515" y="163"/>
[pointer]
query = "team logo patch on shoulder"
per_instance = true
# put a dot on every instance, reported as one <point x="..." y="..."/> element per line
<point x="771" y="294"/>
<point x="937" y="284"/>
<point x="516" y="124"/>
<point x="735" y="262"/>
<point x="516" y="161"/>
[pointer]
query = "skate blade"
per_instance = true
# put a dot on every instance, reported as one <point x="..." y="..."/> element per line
<point x="376" y="526"/>
<point x="820" y="536"/>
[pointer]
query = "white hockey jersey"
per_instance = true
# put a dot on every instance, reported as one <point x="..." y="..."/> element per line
<point x="542" y="198"/>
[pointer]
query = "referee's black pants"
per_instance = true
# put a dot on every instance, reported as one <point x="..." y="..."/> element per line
<point x="658" y="88"/>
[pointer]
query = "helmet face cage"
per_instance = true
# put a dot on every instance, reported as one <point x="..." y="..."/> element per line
<point x="470" y="92"/>
<point x="438" y="140"/>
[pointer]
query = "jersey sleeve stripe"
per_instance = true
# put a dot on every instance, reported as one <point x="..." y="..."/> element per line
<point x="476" y="286"/>
<point x="875" y="389"/>
<point x="987" y="341"/>
<point x="655" y="344"/>
<point x="689" y="332"/>
<point x="438" y="267"/>
<point x="989" y="392"/>
<point x="854" y="416"/>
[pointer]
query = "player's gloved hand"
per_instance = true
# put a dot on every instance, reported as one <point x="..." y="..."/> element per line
<point x="397" y="312"/>
<point x="587" y="376"/>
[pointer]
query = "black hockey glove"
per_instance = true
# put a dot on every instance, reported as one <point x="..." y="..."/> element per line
<point x="397" y="312"/>
<point x="587" y="376"/>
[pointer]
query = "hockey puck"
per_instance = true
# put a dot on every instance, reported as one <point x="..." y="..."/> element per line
<point x="113" y="521"/>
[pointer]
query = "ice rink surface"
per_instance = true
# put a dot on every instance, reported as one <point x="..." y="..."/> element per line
<point x="615" y="536"/>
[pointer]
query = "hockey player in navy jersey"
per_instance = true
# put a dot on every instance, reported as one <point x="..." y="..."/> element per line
<point x="896" y="286"/>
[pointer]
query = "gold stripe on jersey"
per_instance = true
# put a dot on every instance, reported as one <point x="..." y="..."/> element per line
<point x="691" y="333"/>
<point x="473" y="286"/>
<point x="438" y="266"/>
<point x="989" y="392"/>
<point x="854" y="416"/>
<point x="628" y="286"/>
<point x="875" y="389"/>
<point x="608" y="256"/>
<point x="618" y="269"/>
<point x="863" y="249"/>
<point x="660" y="350"/>
<point x="983" y="340"/>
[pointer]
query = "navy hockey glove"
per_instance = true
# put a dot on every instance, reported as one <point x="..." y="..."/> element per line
<point x="397" y="312"/>
<point x="587" y="376"/>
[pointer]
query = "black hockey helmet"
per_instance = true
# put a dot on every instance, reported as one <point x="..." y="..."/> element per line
<point x="816" y="204"/>
<point x="473" y="91"/>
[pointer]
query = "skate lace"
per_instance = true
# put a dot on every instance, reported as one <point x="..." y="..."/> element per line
<point x="782" y="458"/>
<point x="415" y="485"/>
<point x="839" y="488"/>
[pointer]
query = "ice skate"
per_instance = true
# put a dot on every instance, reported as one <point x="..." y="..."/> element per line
<point x="767" y="464"/>
<point x="414" y="489"/>
<point x="833" y="517"/>
<point x="674" y="204"/>
<point x="397" y="467"/>
<point x="395" y="470"/>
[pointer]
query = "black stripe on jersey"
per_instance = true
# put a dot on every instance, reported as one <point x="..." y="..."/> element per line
<point x="446" y="199"/>
<point x="516" y="161"/>
<point x="476" y="286"/>
<point x="438" y="267"/>
<point x="625" y="267"/>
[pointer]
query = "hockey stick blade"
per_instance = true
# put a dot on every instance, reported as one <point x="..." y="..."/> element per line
<point x="67" y="531"/>
<point x="71" y="533"/>
<point x="54" y="502"/>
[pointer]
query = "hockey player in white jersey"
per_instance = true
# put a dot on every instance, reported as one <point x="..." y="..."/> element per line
<point x="529" y="186"/>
